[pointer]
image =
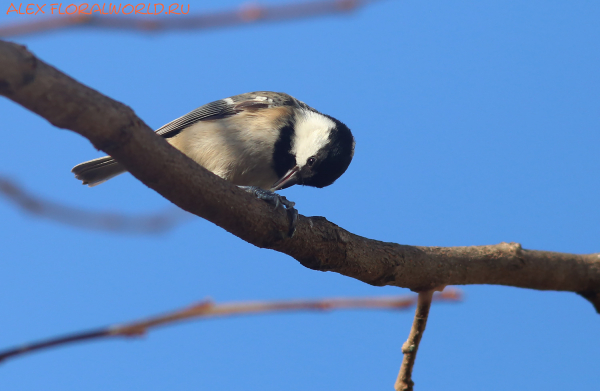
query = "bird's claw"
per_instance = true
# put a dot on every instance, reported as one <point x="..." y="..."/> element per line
<point x="293" y="217"/>
<point x="269" y="196"/>
<point x="277" y="200"/>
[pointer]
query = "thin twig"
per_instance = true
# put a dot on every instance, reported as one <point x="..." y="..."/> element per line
<point x="151" y="223"/>
<point x="245" y="14"/>
<point x="208" y="309"/>
<point x="411" y="346"/>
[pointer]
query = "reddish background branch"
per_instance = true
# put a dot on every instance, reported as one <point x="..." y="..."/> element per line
<point x="207" y="309"/>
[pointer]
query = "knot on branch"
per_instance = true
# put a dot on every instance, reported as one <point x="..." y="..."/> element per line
<point x="512" y="247"/>
<point x="408" y="348"/>
<point x="514" y="251"/>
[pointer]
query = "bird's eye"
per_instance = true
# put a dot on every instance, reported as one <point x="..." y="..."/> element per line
<point x="311" y="161"/>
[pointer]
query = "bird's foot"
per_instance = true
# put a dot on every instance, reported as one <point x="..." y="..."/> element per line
<point x="277" y="200"/>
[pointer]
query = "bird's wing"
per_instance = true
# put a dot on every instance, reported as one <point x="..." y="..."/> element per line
<point x="213" y="110"/>
<point x="227" y="107"/>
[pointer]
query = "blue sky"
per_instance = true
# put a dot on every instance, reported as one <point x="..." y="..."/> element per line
<point x="476" y="123"/>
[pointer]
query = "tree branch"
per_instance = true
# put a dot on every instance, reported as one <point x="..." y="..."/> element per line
<point x="208" y="309"/>
<point x="411" y="346"/>
<point x="317" y="244"/>
<point x="148" y="224"/>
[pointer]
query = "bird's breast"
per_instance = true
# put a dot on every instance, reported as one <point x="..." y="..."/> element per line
<point x="237" y="148"/>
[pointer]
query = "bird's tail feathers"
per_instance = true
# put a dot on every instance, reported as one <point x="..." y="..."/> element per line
<point x="97" y="171"/>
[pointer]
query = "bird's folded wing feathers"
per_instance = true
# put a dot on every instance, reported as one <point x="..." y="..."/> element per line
<point x="213" y="110"/>
<point x="225" y="108"/>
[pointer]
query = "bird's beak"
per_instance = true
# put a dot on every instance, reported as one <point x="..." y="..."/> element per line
<point x="289" y="179"/>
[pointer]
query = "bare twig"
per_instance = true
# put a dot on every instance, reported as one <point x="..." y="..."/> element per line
<point x="317" y="244"/>
<point x="245" y="14"/>
<point x="207" y="309"/>
<point x="404" y="381"/>
<point x="154" y="223"/>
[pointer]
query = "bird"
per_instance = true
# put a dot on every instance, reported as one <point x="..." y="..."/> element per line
<point x="261" y="141"/>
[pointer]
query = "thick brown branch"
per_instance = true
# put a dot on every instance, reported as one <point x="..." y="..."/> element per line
<point x="318" y="243"/>
<point x="37" y="206"/>
<point x="411" y="346"/>
<point x="246" y="14"/>
<point x="209" y="310"/>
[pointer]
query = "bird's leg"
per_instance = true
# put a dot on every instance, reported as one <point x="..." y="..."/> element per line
<point x="277" y="200"/>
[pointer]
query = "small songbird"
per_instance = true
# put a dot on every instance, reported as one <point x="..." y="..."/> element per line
<point x="262" y="141"/>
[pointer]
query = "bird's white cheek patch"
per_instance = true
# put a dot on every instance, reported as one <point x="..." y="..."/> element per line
<point x="312" y="134"/>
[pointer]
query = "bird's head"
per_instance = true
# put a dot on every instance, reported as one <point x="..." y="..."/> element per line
<point x="322" y="148"/>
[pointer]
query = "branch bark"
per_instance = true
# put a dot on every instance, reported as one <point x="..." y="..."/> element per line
<point x="318" y="244"/>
